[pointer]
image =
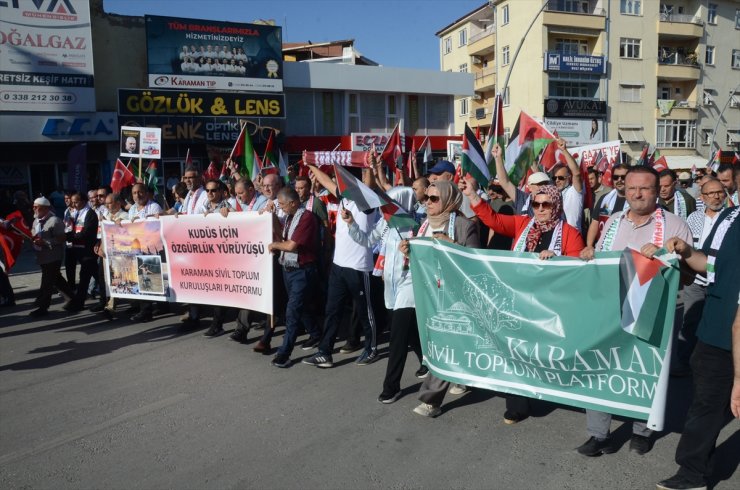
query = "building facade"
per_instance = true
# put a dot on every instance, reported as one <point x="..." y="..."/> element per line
<point x="639" y="71"/>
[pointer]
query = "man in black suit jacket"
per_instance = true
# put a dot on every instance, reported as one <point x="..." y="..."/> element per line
<point x="83" y="236"/>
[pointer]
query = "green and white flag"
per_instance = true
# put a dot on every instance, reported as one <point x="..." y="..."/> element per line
<point x="547" y="329"/>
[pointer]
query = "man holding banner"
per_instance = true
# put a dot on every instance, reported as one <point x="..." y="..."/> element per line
<point x="642" y="223"/>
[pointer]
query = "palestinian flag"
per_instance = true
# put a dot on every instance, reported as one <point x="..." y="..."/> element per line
<point x="394" y="214"/>
<point x="644" y="156"/>
<point x="641" y="287"/>
<point x="270" y="160"/>
<point x="426" y="149"/>
<point x="350" y="187"/>
<point x="528" y="139"/>
<point x="392" y="153"/>
<point x="495" y="133"/>
<point x="244" y="148"/>
<point x="283" y="168"/>
<point x="713" y="164"/>
<point x="473" y="161"/>
<point x="224" y="175"/>
<point x="122" y="177"/>
<point x="151" y="177"/>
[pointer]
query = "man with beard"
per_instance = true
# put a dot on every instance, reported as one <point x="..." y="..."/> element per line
<point x="677" y="201"/>
<point x="608" y="204"/>
<point x="729" y="175"/>
<point x="567" y="179"/>
<point x="83" y="236"/>
<point x="48" y="243"/>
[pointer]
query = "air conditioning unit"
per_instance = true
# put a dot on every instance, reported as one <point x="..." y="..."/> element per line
<point x="477" y="97"/>
<point x="476" y="60"/>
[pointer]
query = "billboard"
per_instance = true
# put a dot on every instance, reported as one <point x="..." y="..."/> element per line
<point x="46" y="60"/>
<point x="144" y="102"/>
<point x="578" y="132"/>
<point x="190" y="53"/>
<point x="574" y="63"/>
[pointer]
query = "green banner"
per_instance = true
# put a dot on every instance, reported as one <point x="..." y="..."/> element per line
<point x="547" y="329"/>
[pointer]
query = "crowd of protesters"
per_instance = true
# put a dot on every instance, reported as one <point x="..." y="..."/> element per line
<point x="341" y="273"/>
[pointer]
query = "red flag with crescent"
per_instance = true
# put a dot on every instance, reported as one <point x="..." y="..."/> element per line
<point x="122" y="177"/>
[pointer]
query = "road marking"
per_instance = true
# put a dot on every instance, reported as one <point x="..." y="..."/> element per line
<point x="59" y="441"/>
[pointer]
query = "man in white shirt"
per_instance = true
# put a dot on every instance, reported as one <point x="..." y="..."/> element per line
<point x="568" y="180"/>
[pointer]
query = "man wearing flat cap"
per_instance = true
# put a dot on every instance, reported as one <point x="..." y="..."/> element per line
<point x="48" y="243"/>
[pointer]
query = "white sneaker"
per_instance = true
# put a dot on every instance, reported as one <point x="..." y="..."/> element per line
<point x="458" y="389"/>
<point x="428" y="410"/>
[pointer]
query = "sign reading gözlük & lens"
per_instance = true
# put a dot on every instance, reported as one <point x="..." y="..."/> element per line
<point x="568" y="62"/>
<point x="191" y="53"/>
<point x="562" y="330"/>
<point x="46" y="60"/>
<point x="145" y="102"/>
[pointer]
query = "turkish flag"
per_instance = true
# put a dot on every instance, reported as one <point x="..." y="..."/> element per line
<point x="11" y="239"/>
<point x="122" y="177"/>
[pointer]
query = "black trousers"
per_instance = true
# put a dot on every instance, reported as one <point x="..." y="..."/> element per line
<point x="404" y="333"/>
<point x="6" y="290"/>
<point x="708" y="413"/>
<point x="88" y="269"/>
<point x="51" y="277"/>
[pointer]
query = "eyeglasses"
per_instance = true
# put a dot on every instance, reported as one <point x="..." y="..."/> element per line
<point x="542" y="205"/>
<point x="619" y="177"/>
<point x="100" y="195"/>
<point x="560" y="177"/>
<point x="713" y="194"/>
<point x="211" y="190"/>
<point x="432" y="198"/>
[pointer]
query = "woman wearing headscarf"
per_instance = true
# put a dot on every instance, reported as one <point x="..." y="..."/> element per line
<point x="444" y="222"/>
<point x="546" y="234"/>
<point x="398" y="290"/>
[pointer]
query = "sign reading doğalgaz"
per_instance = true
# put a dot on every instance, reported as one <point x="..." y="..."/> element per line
<point x="220" y="261"/>
<point x="134" y="102"/>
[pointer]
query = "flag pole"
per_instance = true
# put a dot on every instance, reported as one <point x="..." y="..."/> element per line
<point x="139" y="167"/>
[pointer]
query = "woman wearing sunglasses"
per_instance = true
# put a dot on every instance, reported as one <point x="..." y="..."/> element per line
<point x="444" y="222"/>
<point x="546" y="234"/>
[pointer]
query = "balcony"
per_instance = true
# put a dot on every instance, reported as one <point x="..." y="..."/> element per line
<point x="677" y="66"/>
<point x="583" y="15"/>
<point x="480" y="113"/>
<point x="680" y="109"/>
<point x="485" y="80"/>
<point x="680" y="26"/>
<point x="483" y="42"/>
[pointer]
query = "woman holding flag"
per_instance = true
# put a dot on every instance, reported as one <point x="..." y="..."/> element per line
<point x="444" y="222"/>
<point x="393" y="266"/>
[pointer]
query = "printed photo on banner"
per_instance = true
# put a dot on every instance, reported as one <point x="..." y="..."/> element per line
<point x="220" y="261"/>
<point x="135" y="260"/>
<point x="130" y="142"/>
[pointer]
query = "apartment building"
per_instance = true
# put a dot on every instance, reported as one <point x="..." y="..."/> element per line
<point x="597" y="70"/>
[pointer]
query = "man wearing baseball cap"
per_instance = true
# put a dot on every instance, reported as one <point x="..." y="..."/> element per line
<point x="442" y="170"/>
<point x="48" y="242"/>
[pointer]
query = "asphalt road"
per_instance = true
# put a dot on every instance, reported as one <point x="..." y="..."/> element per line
<point x="86" y="403"/>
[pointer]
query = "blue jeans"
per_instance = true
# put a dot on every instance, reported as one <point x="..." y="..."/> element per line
<point x="298" y="284"/>
<point x="345" y="284"/>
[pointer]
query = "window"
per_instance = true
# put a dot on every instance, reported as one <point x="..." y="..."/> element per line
<point x="505" y="15"/>
<point x="463" y="37"/>
<point x="630" y="92"/>
<point x="629" y="48"/>
<point x="736" y="58"/>
<point x="630" y="7"/>
<point x="734" y="100"/>
<point x="675" y="133"/>
<point x="447" y="49"/>
<point x="571" y="46"/>
<point x="737" y="18"/>
<point x="463" y="107"/>
<point x="463" y="68"/>
<point x="707" y="99"/>
<point x="505" y="56"/>
<point x="733" y="137"/>
<point x="712" y="13"/>
<point x="354" y="113"/>
<point x="706" y="137"/>
<point x="709" y="55"/>
<point x="392" y="111"/>
<point x="573" y="85"/>
<point x="506" y="97"/>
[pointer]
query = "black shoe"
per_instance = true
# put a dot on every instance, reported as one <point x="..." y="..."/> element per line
<point x="389" y="397"/>
<point x="39" y="312"/>
<point x="97" y="308"/>
<point x="640" y="444"/>
<point x="596" y="447"/>
<point x="679" y="482"/>
<point x="349" y="347"/>
<point x="422" y="372"/>
<point x="311" y="343"/>
<point x="214" y="331"/>
<point x="511" y="418"/>
<point x="367" y="357"/>
<point x="141" y="317"/>
<point x="239" y="335"/>
<point x="319" y="360"/>
<point x="108" y="314"/>
<point x="72" y="306"/>
<point x="281" y="361"/>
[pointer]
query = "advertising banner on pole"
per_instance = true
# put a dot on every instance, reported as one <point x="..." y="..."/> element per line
<point x="46" y="61"/>
<point x="205" y="54"/>
<point x="220" y="261"/>
<point x="550" y="329"/>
